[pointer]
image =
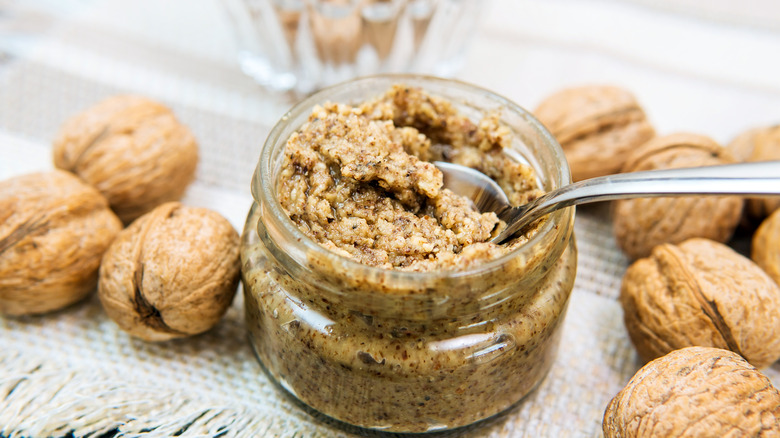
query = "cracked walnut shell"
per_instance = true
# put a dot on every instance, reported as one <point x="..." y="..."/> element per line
<point x="758" y="144"/>
<point x="53" y="232"/>
<point x="701" y="293"/>
<point x="641" y="224"/>
<point x="171" y="273"/>
<point x="765" y="250"/>
<point x="695" y="392"/>
<point x="132" y="149"/>
<point x="597" y="127"/>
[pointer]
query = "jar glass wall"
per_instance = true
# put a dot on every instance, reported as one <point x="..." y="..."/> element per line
<point x="406" y="351"/>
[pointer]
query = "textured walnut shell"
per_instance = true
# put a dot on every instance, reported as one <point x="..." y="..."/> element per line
<point x="701" y="293"/>
<point x="597" y="127"/>
<point x="641" y="224"/>
<point x="765" y="250"/>
<point x="132" y="149"/>
<point x="758" y="144"/>
<point x="695" y="392"/>
<point x="53" y="231"/>
<point x="171" y="273"/>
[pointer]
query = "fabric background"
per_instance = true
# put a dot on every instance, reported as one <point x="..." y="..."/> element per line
<point x="707" y="67"/>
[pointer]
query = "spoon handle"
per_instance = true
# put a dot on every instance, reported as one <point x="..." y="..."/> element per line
<point x="753" y="179"/>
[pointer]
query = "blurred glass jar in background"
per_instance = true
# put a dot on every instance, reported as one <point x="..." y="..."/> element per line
<point x="304" y="45"/>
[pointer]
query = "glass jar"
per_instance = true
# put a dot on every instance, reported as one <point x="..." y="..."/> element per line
<point x="406" y="351"/>
<point x="303" y="45"/>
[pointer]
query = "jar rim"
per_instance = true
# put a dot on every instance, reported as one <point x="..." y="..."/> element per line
<point x="299" y="245"/>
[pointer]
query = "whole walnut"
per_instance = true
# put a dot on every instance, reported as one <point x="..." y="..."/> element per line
<point x="765" y="250"/>
<point x="53" y="231"/>
<point x="132" y="149"/>
<point x="597" y="127"/>
<point x="171" y="273"/>
<point x="641" y="224"/>
<point x="701" y="293"/>
<point x="758" y="144"/>
<point x="695" y="392"/>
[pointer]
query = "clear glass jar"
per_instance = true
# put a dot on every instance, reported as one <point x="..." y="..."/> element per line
<point x="406" y="351"/>
<point x="303" y="45"/>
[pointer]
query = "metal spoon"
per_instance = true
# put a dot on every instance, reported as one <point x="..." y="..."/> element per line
<point x="754" y="179"/>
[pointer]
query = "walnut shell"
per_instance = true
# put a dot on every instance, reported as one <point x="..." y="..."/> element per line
<point x="171" y="273"/>
<point x="695" y="392"/>
<point x="53" y="231"/>
<point x="701" y="293"/>
<point x="765" y="250"/>
<point x="758" y="144"/>
<point x="641" y="224"/>
<point x="597" y="127"/>
<point x="132" y="149"/>
<point x="741" y="148"/>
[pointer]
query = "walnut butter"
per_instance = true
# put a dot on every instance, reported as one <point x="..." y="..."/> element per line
<point x="372" y="293"/>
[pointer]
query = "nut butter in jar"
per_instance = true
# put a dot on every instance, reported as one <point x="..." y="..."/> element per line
<point x="372" y="330"/>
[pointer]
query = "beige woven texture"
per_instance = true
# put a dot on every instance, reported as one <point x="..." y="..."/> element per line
<point x="74" y="371"/>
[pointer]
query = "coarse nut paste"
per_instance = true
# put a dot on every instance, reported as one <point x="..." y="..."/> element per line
<point x="372" y="293"/>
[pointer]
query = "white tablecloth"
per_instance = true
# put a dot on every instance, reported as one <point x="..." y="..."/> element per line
<point x="710" y="67"/>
